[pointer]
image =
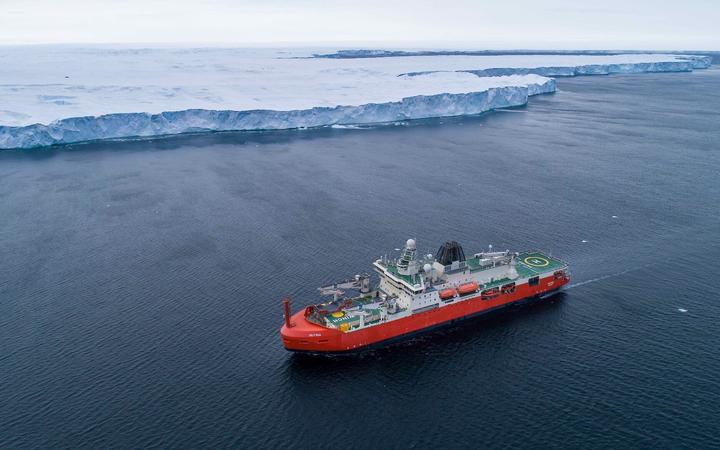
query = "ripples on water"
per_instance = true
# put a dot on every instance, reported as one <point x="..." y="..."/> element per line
<point x="140" y="282"/>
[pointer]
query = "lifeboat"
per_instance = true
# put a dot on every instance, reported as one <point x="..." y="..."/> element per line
<point x="447" y="294"/>
<point x="468" y="288"/>
<point x="489" y="294"/>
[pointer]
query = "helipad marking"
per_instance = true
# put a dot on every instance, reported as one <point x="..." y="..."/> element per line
<point x="536" y="261"/>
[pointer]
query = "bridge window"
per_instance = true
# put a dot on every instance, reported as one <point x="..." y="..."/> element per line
<point x="534" y="281"/>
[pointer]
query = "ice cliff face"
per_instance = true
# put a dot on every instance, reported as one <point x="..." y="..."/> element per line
<point x="115" y="126"/>
<point x="683" y="64"/>
<point x="67" y="95"/>
<point x="603" y="69"/>
<point x="362" y="53"/>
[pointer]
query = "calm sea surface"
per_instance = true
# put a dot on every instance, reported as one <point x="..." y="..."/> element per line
<point x="140" y="282"/>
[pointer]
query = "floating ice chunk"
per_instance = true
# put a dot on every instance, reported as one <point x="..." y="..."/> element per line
<point x="682" y="310"/>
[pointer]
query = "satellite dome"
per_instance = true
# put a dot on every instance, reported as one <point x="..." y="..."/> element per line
<point x="427" y="268"/>
<point x="410" y="244"/>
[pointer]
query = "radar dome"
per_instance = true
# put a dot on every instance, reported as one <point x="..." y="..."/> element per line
<point x="410" y="244"/>
<point x="427" y="268"/>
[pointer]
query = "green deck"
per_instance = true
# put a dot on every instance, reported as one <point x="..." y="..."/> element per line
<point x="336" y="321"/>
<point x="534" y="263"/>
<point x="529" y="264"/>
<point x="356" y="302"/>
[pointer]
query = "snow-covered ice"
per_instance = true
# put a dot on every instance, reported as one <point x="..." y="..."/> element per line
<point x="51" y="95"/>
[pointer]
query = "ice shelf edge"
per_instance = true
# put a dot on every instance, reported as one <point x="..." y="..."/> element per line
<point x="133" y="125"/>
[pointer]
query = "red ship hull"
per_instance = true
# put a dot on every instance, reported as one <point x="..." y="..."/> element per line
<point x="304" y="336"/>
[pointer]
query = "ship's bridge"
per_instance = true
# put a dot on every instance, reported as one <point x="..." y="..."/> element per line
<point x="388" y="271"/>
<point x="401" y="275"/>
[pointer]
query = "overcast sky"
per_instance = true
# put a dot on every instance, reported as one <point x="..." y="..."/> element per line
<point x="611" y="24"/>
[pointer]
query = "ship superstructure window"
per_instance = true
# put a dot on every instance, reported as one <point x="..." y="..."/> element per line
<point x="534" y="281"/>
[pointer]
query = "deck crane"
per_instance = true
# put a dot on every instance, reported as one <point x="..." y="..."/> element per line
<point x="360" y="283"/>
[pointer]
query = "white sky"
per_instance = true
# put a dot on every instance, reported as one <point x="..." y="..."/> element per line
<point x="480" y="24"/>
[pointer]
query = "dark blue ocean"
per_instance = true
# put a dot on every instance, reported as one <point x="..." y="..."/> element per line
<point x="141" y="282"/>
